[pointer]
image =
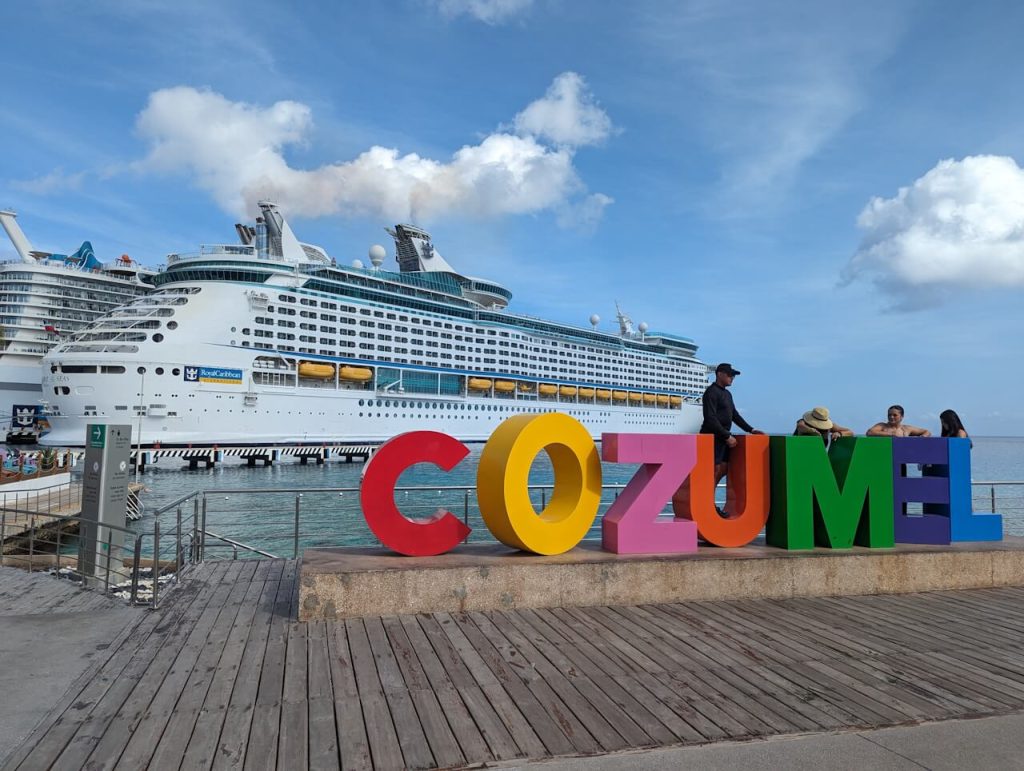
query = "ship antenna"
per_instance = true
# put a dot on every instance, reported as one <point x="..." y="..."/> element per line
<point x="625" y="322"/>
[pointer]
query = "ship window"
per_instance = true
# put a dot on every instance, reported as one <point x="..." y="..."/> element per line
<point x="158" y="338"/>
<point x="79" y="369"/>
<point x="141" y="370"/>
<point x="172" y="324"/>
<point x="110" y="369"/>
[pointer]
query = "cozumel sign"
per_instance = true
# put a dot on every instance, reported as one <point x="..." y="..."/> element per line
<point x="801" y="495"/>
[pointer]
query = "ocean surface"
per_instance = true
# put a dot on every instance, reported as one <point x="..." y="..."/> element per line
<point x="266" y="520"/>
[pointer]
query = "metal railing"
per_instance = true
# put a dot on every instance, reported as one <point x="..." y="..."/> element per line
<point x="95" y="556"/>
<point x="249" y="522"/>
<point x="39" y="532"/>
<point x="51" y="499"/>
<point x="233" y="523"/>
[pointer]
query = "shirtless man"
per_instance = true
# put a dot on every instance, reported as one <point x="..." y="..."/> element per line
<point x="895" y="426"/>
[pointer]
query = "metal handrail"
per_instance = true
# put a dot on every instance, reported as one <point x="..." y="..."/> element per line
<point x="239" y="544"/>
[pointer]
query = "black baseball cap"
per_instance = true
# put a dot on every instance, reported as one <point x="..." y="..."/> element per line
<point x="726" y="367"/>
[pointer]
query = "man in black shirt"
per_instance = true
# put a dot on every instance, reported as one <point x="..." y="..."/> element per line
<point x="719" y="415"/>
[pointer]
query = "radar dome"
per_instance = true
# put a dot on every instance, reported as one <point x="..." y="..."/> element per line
<point x="357" y="264"/>
<point x="377" y="255"/>
<point x="643" y="327"/>
<point x="595" y="319"/>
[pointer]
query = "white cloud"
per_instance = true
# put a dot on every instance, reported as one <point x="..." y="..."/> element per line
<point x="586" y="214"/>
<point x="775" y="83"/>
<point x="54" y="182"/>
<point x="235" y="151"/>
<point x="567" y="114"/>
<point x="961" y="225"/>
<point x="488" y="11"/>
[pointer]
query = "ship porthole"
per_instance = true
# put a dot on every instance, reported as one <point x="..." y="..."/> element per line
<point x="158" y="338"/>
<point x="141" y="370"/>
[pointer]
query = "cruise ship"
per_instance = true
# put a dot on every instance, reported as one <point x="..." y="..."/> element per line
<point x="270" y="341"/>
<point x="44" y="298"/>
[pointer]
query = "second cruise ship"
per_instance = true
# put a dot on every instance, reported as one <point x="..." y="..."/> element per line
<point x="270" y="341"/>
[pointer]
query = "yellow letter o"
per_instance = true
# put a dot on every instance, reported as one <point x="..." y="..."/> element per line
<point x="503" y="483"/>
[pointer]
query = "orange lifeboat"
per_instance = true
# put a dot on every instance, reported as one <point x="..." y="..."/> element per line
<point x="586" y="393"/>
<point x="504" y="386"/>
<point x="567" y="390"/>
<point x="362" y="374"/>
<point x="546" y="389"/>
<point x="315" y="369"/>
<point x="604" y="393"/>
<point x="479" y="384"/>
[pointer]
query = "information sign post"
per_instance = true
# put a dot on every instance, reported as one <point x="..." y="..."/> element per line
<point x="104" y="499"/>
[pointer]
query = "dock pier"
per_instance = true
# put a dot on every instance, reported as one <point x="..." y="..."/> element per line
<point x="209" y="457"/>
<point x="223" y="671"/>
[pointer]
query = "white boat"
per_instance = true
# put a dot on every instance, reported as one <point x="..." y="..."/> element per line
<point x="225" y="352"/>
<point x="44" y="298"/>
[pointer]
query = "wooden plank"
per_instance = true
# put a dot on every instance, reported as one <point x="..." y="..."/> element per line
<point x="353" y="744"/>
<point x="415" y="748"/>
<point x="712" y="689"/>
<point x="164" y="734"/>
<point x="149" y="664"/>
<point x="443" y="744"/>
<point x="323" y="735"/>
<point x="701" y="713"/>
<point x="252" y="618"/>
<point x="232" y="744"/>
<point x="385" y="748"/>
<point x="504" y="706"/>
<point x="492" y="728"/>
<point x="293" y="743"/>
<point x="264" y="731"/>
<point x="554" y="741"/>
<point x="143" y="716"/>
<point x="557" y="712"/>
<point x="894" y="710"/>
<point x="582" y="656"/>
<point x="619" y="719"/>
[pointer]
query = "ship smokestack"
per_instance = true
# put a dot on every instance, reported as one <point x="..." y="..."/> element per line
<point x="21" y="244"/>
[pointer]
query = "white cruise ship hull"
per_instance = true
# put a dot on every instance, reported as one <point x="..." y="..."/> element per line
<point x="221" y="416"/>
<point x="239" y="346"/>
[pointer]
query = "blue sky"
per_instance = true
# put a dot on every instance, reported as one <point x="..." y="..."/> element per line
<point x="825" y="194"/>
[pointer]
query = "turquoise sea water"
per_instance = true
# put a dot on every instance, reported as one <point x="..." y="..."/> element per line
<point x="267" y="520"/>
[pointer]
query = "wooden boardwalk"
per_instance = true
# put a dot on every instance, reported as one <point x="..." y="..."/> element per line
<point x="223" y="677"/>
<point x="24" y="593"/>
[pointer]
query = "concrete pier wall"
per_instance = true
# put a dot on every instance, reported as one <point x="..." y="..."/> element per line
<point x="352" y="582"/>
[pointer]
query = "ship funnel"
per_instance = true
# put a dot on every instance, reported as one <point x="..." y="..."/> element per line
<point x="281" y="241"/>
<point x="21" y="244"/>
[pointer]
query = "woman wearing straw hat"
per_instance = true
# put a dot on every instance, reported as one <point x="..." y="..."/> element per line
<point x="817" y="422"/>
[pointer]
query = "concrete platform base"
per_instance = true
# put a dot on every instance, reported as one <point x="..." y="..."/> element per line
<point x="354" y="582"/>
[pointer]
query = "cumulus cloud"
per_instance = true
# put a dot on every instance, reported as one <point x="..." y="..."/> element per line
<point x="961" y="225"/>
<point x="568" y="114"/>
<point x="488" y="11"/>
<point x="235" y="151"/>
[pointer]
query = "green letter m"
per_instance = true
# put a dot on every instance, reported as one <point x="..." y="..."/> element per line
<point x="831" y="499"/>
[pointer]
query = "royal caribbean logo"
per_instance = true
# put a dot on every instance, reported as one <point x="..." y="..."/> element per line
<point x="213" y="375"/>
